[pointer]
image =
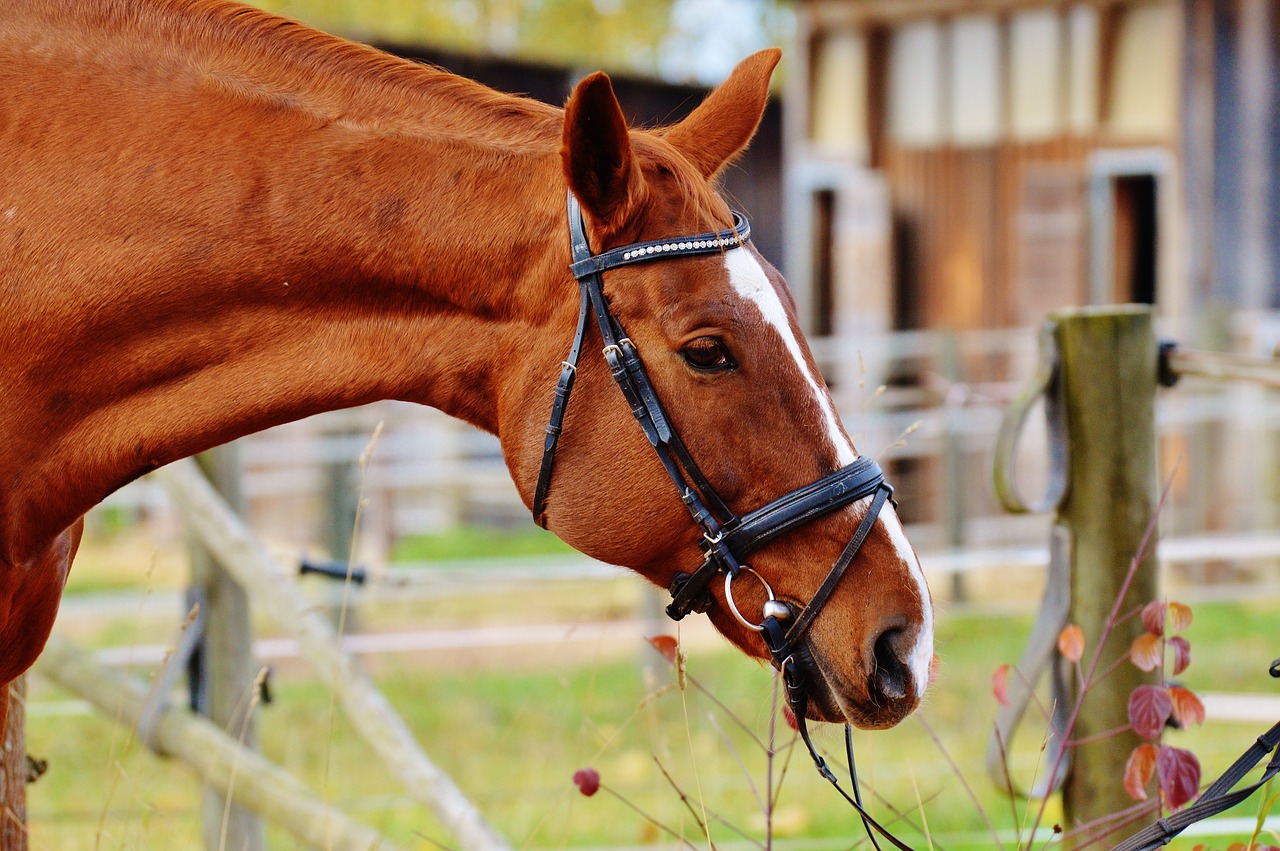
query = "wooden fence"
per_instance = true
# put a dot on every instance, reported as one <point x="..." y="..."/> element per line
<point x="429" y="472"/>
<point x="1100" y="368"/>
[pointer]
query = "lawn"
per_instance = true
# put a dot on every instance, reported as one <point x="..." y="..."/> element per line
<point x="513" y="725"/>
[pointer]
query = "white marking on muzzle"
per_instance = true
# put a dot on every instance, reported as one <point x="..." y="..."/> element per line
<point x="921" y="655"/>
<point x="748" y="279"/>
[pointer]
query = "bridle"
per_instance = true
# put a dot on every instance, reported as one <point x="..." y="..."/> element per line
<point x="727" y="539"/>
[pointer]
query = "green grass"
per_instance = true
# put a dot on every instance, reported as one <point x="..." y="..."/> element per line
<point x="473" y="542"/>
<point x="512" y="729"/>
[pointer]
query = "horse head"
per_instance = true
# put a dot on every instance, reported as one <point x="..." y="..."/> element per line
<point x="719" y="342"/>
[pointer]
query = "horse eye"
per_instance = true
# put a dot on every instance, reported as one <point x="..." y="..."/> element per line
<point x="708" y="354"/>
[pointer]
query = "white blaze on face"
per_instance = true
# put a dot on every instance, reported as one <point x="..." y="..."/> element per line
<point x="749" y="281"/>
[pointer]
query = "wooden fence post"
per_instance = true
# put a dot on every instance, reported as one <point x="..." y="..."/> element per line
<point x="370" y="713"/>
<point x="13" y="771"/>
<point x="1108" y="360"/>
<point x="228" y="672"/>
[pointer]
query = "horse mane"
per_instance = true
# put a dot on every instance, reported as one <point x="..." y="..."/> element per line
<point x="259" y="55"/>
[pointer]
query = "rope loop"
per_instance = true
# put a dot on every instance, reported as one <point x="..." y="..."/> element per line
<point x="1046" y="383"/>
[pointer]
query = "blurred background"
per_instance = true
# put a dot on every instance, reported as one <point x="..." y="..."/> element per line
<point x="933" y="177"/>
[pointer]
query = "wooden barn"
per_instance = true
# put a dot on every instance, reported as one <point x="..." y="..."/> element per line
<point x="973" y="164"/>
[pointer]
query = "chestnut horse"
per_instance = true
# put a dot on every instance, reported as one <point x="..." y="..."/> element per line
<point x="214" y="220"/>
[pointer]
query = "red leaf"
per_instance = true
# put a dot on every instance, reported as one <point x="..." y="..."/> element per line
<point x="1179" y="775"/>
<point x="1145" y="651"/>
<point x="1139" y="770"/>
<point x="666" y="645"/>
<point x="789" y="716"/>
<point x="1187" y="708"/>
<point x="1153" y="617"/>
<point x="1179" y="617"/>
<point x="1000" y="684"/>
<point x="1149" y="709"/>
<point x="1071" y="642"/>
<point x="587" y="780"/>
<point x="1181" y="654"/>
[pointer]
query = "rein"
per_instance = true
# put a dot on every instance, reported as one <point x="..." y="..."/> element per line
<point x="727" y="539"/>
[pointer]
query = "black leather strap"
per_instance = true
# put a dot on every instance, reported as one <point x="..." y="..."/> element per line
<point x="560" y="402"/>
<point x="819" y="599"/>
<point x="1217" y="798"/>
<point x="585" y="263"/>
<point x="847" y="485"/>
<point x="843" y="487"/>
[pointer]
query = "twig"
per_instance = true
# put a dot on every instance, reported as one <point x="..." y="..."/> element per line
<point x="736" y="756"/>
<point x="1107" y="628"/>
<point x="684" y="799"/>
<point x="955" y="769"/>
<point x="1104" y="827"/>
<point x="653" y="821"/>
<point x="688" y="733"/>
<point x="1097" y="737"/>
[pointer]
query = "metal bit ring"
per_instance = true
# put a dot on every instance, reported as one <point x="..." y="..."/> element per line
<point x="733" y="607"/>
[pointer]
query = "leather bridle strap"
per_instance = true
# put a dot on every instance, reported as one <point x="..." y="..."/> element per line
<point x="847" y="485"/>
<point x="626" y="367"/>
<point x="796" y="633"/>
<point x="783" y="646"/>
<point x="555" y="424"/>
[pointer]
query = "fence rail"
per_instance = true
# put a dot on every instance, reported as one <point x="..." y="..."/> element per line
<point x="217" y="758"/>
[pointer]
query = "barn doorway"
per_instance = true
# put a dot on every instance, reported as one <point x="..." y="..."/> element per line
<point x="1126" y="197"/>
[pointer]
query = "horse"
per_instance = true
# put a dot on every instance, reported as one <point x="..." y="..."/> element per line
<point x="214" y="220"/>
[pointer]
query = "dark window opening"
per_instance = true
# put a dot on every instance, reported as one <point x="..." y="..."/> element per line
<point x="824" y="286"/>
<point x="1135" y="239"/>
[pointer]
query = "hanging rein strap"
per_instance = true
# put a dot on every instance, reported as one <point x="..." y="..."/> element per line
<point x="1218" y="797"/>
<point x="783" y="646"/>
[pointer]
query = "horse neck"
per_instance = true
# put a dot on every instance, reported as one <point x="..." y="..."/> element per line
<point x="230" y="265"/>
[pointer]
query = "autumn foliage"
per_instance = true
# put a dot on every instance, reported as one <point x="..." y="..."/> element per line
<point x="1153" y="707"/>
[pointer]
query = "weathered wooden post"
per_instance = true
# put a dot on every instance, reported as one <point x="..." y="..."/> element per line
<point x="229" y="673"/>
<point x="1108" y="361"/>
<point x="13" y="771"/>
<point x="1098" y="377"/>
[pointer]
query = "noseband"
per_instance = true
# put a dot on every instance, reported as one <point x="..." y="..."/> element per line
<point x="727" y="539"/>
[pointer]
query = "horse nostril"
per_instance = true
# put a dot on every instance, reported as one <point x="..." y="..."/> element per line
<point x="889" y="678"/>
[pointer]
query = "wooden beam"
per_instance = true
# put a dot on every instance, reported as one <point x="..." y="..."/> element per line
<point x="217" y="758"/>
<point x="861" y="12"/>
<point x="368" y="710"/>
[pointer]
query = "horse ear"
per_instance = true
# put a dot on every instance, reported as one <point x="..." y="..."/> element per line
<point x="596" y="152"/>
<point x="723" y="124"/>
